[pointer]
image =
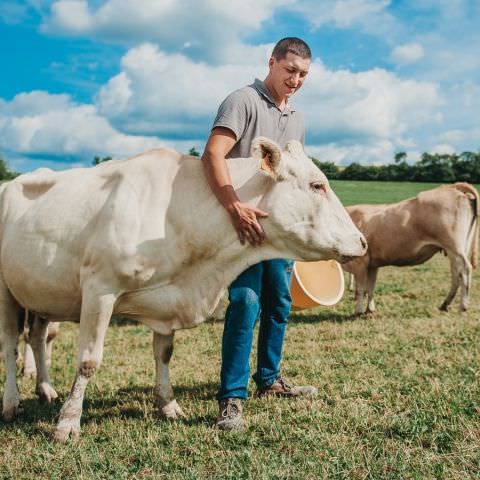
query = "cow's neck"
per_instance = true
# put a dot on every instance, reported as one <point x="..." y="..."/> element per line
<point x="197" y="287"/>
<point x="209" y="276"/>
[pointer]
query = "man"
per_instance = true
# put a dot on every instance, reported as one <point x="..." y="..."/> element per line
<point x="262" y="108"/>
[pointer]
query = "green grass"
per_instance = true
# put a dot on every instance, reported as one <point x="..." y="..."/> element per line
<point x="353" y="192"/>
<point x="399" y="399"/>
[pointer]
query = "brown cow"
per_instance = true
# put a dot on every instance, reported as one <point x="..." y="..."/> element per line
<point x="411" y="232"/>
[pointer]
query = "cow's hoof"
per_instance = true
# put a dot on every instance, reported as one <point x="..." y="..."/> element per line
<point x="67" y="430"/>
<point x="11" y="412"/>
<point x="443" y="308"/>
<point x="46" y="393"/>
<point x="171" y="411"/>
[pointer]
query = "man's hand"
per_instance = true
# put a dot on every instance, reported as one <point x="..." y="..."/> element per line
<point x="244" y="218"/>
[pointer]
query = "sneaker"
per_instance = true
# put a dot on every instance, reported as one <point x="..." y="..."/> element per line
<point x="230" y="414"/>
<point x="280" y="388"/>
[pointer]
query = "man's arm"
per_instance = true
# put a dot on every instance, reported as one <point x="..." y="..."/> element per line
<point x="243" y="216"/>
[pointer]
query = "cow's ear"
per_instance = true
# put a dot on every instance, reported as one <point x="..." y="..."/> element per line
<point x="270" y="155"/>
<point x="295" y="148"/>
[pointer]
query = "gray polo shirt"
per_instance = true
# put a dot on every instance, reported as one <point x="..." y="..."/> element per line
<point x="251" y="112"/>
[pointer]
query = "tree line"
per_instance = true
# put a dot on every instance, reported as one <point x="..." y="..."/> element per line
<point x="5" y="172"/>
<point x="436" y="167"/>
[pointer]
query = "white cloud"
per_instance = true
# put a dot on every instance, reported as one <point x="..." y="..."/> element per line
<point x="450" y="10"/>
<point x="206" y="28"/>
<point x="407" y="53"/>
<point x="52" y="125"/>
<point x="373" y="104"/>
<point x="159" y="98"/>
<point x="162" y="93"/>
<point x="468" y="93"/>
<point x="467" y="138"/>
<point x="115" y="95"/>
<point x="370" y="15"/>
<point x="373" y="153"/>
<point x="72" y="16"/>
<point x="187" y="56"/>
<point x="24" y="104"/>
<point x="443" y="148"/>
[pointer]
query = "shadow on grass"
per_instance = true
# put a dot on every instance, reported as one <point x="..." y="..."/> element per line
<point x="325" y="316"/>
<point x="295" y="317"/>
<point x="33" y="412"/>
<point x="39" y="418"/>
<point x="122" y="321"/>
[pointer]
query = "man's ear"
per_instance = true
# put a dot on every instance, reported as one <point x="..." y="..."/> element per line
<point x="270" y="155"/>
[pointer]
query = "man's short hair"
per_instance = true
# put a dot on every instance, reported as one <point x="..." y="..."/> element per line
<point x="293" y="45"/>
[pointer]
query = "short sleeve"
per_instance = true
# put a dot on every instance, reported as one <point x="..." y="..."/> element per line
<point x="302" y="129"/>
<point x="233" y="113"/>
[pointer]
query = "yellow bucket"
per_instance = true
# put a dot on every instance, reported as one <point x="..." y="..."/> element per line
<point x="316" y="284"/>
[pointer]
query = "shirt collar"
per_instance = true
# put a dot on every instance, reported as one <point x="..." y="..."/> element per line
<point x="260" y="87"/>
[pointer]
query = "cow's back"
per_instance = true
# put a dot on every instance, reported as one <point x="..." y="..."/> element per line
<point x="396" y="234"/>
<point x="56" y="226"/>
<point x="411" y="231"/>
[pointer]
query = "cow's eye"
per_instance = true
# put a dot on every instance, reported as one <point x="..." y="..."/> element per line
<point x="318" y="187"/>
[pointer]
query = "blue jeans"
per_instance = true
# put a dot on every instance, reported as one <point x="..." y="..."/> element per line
<point x="263" y="287"/>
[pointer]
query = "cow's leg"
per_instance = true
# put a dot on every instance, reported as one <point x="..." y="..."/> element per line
<point x="456" y="275"/>
<point x="360" y="290"/>
<point x="38" y="339"/>
<point x="371" y="280"/>
<point x="9" y="347"/>
<point x="164" y="400"/>
<point x="351" y="282"/>
<point x="53" y="329"/>
<point x="465" y="273"/>
<point x="29" y="367"/>
<point x="94" y="320"/>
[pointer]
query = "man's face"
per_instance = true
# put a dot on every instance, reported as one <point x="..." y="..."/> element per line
<point x="288" y="74"/>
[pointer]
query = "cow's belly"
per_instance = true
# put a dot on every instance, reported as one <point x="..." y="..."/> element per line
<point x="169" y="307"/>
<point x="403" y="257"/>
<point x="40" y="277"/>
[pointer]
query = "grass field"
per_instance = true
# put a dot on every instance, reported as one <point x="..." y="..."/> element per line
<point x="353" y="192"/>
<point x="399" y="395"/>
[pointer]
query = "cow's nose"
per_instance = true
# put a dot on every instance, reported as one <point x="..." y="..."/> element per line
<point x="363" y="242"/>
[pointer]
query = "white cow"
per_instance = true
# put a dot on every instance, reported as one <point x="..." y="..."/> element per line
<point x="30" y="326"/>
<point x="146" y="238"/>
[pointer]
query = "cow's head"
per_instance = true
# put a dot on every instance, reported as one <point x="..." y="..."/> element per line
<point x="306" y="218"/>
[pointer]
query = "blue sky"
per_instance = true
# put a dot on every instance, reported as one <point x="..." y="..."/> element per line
<point x="115" y="77"/>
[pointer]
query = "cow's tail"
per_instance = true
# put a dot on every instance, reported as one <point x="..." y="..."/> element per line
<point x="473" y="232"/>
